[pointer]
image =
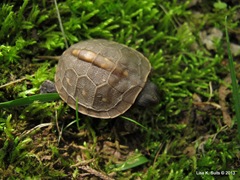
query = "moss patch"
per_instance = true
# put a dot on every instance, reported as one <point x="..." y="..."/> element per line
<point x="186" y="136"/>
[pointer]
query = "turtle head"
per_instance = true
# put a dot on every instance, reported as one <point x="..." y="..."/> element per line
<point x="148" y="96"/>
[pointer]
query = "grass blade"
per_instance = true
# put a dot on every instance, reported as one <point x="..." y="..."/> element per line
<point x="236" y="97"/>
<point x="132" y="162"/>
<point x="28" y="100"/>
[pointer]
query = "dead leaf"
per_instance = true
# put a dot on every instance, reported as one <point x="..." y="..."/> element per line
<point x="208" y="37"/>
<point x="235" y="49"/>
<point x="189" y="151"/>
<point x="204" y="106"/>
<point x="223" y="92"/>
<point x="194" y="3"/>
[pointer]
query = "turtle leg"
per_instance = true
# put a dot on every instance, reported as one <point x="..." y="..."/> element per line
<point x="47" y="87"/>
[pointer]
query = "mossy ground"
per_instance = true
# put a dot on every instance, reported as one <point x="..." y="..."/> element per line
<point x="190" y="132"/>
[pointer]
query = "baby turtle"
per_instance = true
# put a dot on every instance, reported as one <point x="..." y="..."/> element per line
<point x="104" y="78"/>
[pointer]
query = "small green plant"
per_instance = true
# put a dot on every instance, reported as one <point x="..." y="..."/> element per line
<point x="180" y="137"/>
<point x="14" y="148"/>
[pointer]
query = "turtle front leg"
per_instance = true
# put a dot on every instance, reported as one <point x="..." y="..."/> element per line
<point x="47" y="87"/>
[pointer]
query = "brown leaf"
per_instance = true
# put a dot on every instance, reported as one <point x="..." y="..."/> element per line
<point x="210" y="36"/>
<point x="223" y="92"/>
<point x="189" y="151"/>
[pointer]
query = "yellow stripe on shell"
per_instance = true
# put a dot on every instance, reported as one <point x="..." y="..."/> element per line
<point x="99" y="61"/>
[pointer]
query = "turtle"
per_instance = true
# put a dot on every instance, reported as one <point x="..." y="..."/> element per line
<point x="103" y="78"/>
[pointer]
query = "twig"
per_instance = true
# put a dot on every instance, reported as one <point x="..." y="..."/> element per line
<point x="14" y="82"/>
<point x="95" y="172"/>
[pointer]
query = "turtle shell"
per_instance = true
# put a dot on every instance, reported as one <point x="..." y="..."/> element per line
<point x="101" y="78"/>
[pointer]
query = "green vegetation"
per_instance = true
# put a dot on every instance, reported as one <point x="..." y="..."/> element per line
<point x="193" y="130"/>
<point x="236" y="96"/>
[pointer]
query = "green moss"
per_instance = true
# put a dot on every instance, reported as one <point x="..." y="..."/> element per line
<point x="181" y="137"/>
